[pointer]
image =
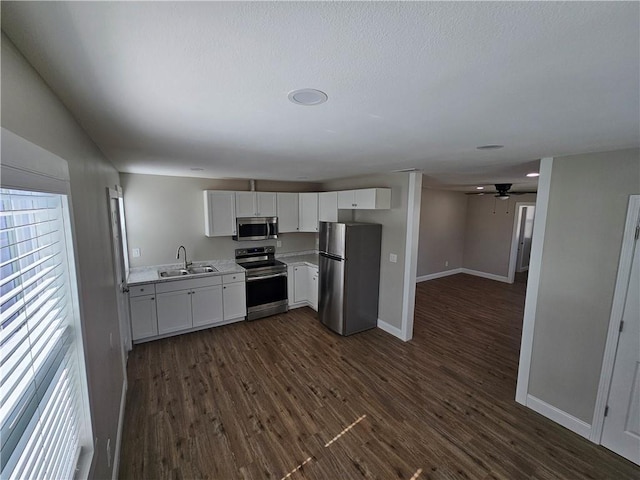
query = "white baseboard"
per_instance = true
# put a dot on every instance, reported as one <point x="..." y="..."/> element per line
<point x="116" y="453"/>
<point x="490" y="276"/>
<point x="387" y="327"/>
<point x="563" y="418"/>
<point x="433" y="276"/>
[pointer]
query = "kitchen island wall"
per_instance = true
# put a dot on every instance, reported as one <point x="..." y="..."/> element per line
<point x="163" y="212"/>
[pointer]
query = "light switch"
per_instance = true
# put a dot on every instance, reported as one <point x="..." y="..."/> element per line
<point x="135" y="252"/>
<point x="393" y="258"/>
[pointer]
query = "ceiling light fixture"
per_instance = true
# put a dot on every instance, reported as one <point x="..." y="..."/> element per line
<point x="308" y="96"/>
<point x="479" y="188"/>
<point x="533" y="174"/>
<point x="490" y="147"/>
<point x="196" y="169"/>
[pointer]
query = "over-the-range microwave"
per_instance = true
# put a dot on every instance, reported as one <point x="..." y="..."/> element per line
<point x="256" y="228"/>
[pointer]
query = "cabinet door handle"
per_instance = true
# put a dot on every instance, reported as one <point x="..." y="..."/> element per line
<point x="153" y="298"/>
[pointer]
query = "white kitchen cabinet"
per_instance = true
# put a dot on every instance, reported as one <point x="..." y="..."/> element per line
<point x="288" y="212"/>
<point x="301" y="281"/>
<point x="206" y="305"/>
<point x="188" y="303"/>
<point x="256" y="204"/>
<point x="303" y="286"/>
<point x="234" y="298"/>
<point x="313" y="288"/>
<point x="144" y="321"/>
<point x="308" y="214"/>
<point x="328" y="207"/>
<point x="219" y="213"/>
<point x="174" y="311"/>
<point x="365" y="199"/>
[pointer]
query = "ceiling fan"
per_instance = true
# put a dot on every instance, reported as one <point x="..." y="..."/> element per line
<point x="502" y="191"/>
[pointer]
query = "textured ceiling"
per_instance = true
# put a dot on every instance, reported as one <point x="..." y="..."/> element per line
<point x="169" y="86"/>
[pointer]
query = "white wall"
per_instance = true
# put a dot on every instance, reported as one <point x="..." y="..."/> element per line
<point x="585" y="220"/>
<point x="443" y="216"/>
<point x="31" y="110"/>
<point x="394" y="231"/>
<point x="488" y="233"/>
<point x="165" y="212"/>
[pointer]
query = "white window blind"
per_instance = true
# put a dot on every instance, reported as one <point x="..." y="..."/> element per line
<point x="40" y="402"/>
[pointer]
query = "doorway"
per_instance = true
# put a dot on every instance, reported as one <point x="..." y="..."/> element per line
<point x="521" y="238"/>
<point x="120" y="268"/>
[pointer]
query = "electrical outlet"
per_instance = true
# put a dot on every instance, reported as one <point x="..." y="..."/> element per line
<point x="109" y="452"/>
<point x="278" y="243"/>
<point x="135" y="252"/>
<point x="393" y="258"/>
<point x="446" y="263"/>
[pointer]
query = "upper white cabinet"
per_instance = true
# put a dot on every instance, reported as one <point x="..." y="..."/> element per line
<point x="308" y="213"/>
<point x="288" y="212"/>
<point x="328" y="207"/>
<point x="256" y="204"/>
<point x="365" y="199"/>
<point x="219" y="213"/>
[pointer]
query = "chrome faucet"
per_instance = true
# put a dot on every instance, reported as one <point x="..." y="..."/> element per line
<point x="186" y="264"/>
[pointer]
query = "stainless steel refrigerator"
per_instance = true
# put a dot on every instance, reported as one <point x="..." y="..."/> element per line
<point x="349" y="276"/>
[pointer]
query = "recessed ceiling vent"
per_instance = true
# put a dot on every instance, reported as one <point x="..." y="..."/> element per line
<point x="308" y="96"/>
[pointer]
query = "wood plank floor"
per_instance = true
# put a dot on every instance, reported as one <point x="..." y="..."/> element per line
<point x="264" y="400"/>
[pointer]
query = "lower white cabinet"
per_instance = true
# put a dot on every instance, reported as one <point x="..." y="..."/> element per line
<point x="313" y="287"/>
<point x="174" y="311"/>
<point x="206" y="305"/>
<point x="301" y="283"/>
<point x="234" y="296"/>
<point x="303" y="286"/>
<point x="166" y="308"/>
<point x="144" y="321"/>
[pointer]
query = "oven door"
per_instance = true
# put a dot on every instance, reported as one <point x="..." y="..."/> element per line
<point x="266" y="295"/>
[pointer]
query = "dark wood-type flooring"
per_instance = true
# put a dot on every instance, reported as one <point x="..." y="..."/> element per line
<point x="256" y="400"/>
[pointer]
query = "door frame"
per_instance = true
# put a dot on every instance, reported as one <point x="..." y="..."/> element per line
<point x="617" y="310"/>
<point x="515" y="236"/>
<point x="125" y="340"/>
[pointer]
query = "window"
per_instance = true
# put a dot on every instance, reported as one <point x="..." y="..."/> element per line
<point x="43" y="417"/>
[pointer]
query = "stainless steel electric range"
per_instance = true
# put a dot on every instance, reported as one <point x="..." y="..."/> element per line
<point x="266" y="281"/>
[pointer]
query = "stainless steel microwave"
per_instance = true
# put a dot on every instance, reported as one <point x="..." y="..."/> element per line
<point x="256" y="228"/>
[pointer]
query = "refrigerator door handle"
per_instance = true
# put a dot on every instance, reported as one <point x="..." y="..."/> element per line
<point x="331" y="256"/>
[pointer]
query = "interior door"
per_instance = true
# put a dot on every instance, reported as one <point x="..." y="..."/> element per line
<point x="621" y="431"/>
<point x="120" y="274"/>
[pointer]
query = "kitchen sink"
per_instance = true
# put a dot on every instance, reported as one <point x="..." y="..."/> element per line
<point x="202" y="269"/>
<point x="187" y="271"/>
<point x="173" y="273"/>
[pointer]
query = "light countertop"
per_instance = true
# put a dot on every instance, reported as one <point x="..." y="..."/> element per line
<point x="305" y="258"/>
<point x="142" y="275"/>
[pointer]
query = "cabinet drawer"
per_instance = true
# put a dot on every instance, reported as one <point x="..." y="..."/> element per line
<point x="188" y="284"/>
<point x="233" y="277"/>
<point x="140" y="290"/>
